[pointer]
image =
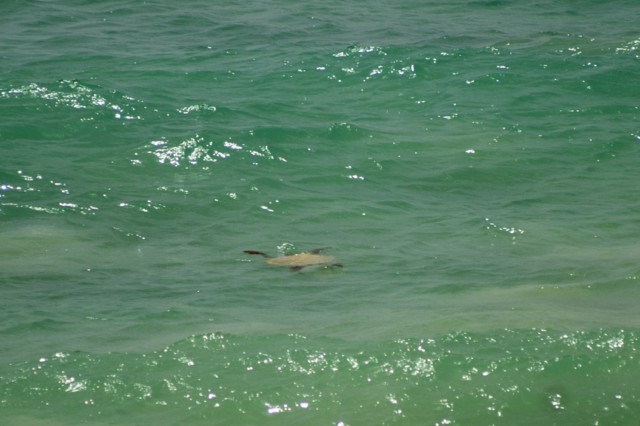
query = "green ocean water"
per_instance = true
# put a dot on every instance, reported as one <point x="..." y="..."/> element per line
<point x="472" y="164"/>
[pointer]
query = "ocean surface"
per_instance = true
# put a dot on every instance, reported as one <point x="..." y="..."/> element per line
<point x="473" y="165"/>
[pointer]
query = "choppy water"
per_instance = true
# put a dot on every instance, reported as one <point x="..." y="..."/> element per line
<point x="472" y="164"/>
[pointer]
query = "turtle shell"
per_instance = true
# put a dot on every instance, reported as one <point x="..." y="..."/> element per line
<point x="301" y="259"/>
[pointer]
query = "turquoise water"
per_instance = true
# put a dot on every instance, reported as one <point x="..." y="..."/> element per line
<point x="472" y="164"/>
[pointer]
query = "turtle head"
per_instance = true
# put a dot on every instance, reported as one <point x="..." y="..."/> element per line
<point x="256" y="252"/>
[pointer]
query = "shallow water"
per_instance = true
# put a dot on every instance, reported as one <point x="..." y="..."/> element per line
<point x="472" y="165"/>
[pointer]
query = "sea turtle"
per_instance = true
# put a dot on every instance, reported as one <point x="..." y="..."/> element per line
<point x="298" y="261"/>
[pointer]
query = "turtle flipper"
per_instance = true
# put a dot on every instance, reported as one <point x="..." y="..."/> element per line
<point x="298" y="268"/>
<point x="256" y="252"/>
<point x="318" y="250"/>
